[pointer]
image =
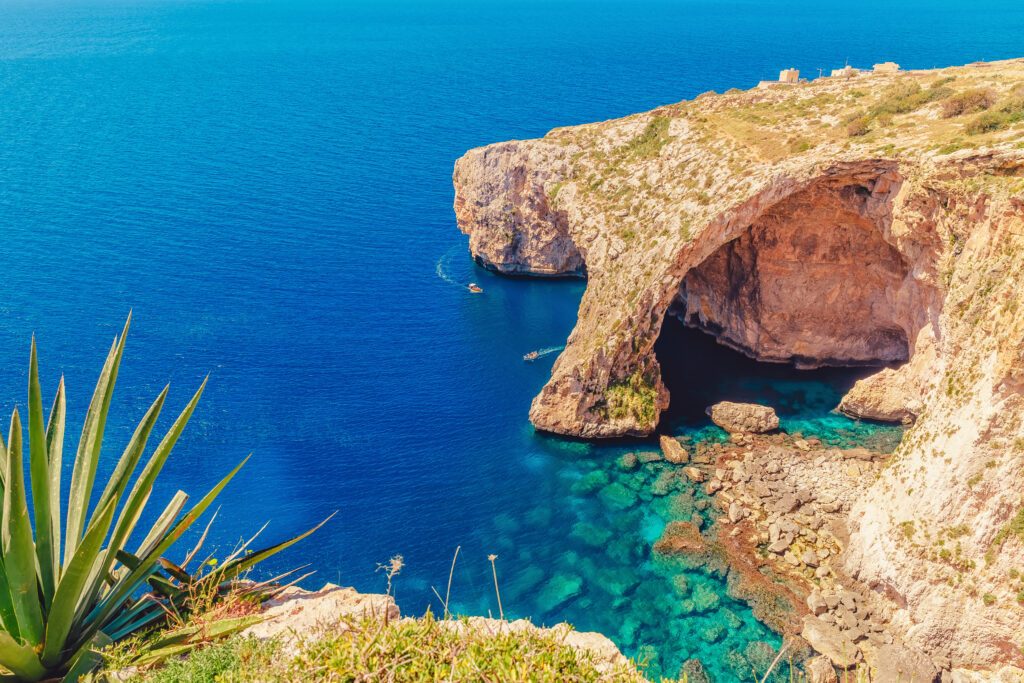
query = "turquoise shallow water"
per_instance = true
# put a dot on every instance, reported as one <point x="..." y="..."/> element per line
<point x="603" y="573"/>
<point x="267" y="185"/>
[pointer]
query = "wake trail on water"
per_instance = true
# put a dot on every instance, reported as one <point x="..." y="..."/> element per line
<point x="444" y="267"/>
<point x="548" y="350"/>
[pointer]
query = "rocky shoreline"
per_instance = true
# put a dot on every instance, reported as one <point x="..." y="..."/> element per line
<point x="841" y="221"/>
<point x="784" y="505"/>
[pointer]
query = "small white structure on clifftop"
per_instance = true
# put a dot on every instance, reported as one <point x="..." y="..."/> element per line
<point x="886" y="68"/>
<point x="785" y="76"/>
<point x="846" y="72"/>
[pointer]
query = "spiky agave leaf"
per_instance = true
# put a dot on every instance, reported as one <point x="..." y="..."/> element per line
<point x="19" y="552"/>
<point x="47" y="545"/>
<point x="63" y="597"/>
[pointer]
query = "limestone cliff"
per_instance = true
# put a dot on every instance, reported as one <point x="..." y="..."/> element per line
<point x="876" y="219"/>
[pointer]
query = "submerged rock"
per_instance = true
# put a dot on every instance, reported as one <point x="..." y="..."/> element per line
<point x="590" y="482"/>
<point x="591" y="534"/>
<point x="681" y="538"/>
<point x="713" y="633"/>
<point x="629" y="462"/>
<point x="760" y="655"/>
<point x="647" y="457"/>
<point x="618" y="581"/>
<point x="558" y="591"/>
<point x="617" y="496"/>
<point x="523" y="582"/>
<point x="744" y="418"/>
<point x="705" y="598"/>
<point x="693" y="671"/>
<point x="730" y="618"/>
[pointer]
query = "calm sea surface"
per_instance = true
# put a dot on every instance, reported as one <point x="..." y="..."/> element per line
<point x="267" y="185"/>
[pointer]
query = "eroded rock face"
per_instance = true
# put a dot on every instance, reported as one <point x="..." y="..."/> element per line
<point x="816" y="253"/>
<point x="512" y="227"/>
<point x="812" y="282"/>
<point x="895" y="664"/>
<point x="744" y="418"/>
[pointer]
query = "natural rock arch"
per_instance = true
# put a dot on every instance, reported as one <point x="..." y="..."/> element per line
<point x="813" y="280"/>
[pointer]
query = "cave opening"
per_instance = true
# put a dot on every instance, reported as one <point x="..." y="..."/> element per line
<point x="699" y="371"/>
<point x="792" y="310"/>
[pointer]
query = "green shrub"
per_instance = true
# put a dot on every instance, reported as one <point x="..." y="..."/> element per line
<point x="648" y="144"/>
<point x="968" y="102"/>
<point x="212" y="663"/>
<point x="859" y="126"/>
<point x="904" y="98"/>
<point x="1003" y="116"/>
<point x="901" y="98"/>
<point x="1015" y="526"/>
<point x="634" y="397"/>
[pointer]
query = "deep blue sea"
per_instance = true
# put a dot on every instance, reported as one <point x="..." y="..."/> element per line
<point x="267" y="185"/>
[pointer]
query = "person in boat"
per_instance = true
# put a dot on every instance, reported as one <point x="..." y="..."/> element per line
<point x="532" y="355"/>
<point x="474" y="287"/>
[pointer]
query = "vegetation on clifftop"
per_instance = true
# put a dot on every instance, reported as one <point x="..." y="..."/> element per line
<point x="368" y="649"/>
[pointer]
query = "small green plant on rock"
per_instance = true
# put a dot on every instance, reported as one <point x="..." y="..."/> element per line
<point x="648" y="144"/>
<point x="634" y="397"/>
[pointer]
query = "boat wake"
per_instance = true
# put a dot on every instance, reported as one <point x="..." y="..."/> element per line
<point x="540" y="353"/>
<point x="444" y="265"/>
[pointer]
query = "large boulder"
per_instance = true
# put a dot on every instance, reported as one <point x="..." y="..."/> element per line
<point x="744" y="418"/>
<point x="820" y="670"/>
<point x="674" y="451"/>
<point x="898" y="663"/>
<point x="829" y="641"/>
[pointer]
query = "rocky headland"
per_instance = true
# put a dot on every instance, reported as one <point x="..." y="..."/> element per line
<point x="875" y="220"/>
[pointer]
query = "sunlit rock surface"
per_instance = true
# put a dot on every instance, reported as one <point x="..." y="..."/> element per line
<point x="768" y="219"/>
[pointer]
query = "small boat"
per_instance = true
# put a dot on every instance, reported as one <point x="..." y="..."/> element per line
<point x="532" y="355"/>
<point x="474" y="288"/>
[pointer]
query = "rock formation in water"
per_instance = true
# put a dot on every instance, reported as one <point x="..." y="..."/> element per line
<point x="743" y="418"/>
<point x="870" y="220"/>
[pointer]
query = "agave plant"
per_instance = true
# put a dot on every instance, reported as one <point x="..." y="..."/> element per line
<point x="68" y="589"/>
